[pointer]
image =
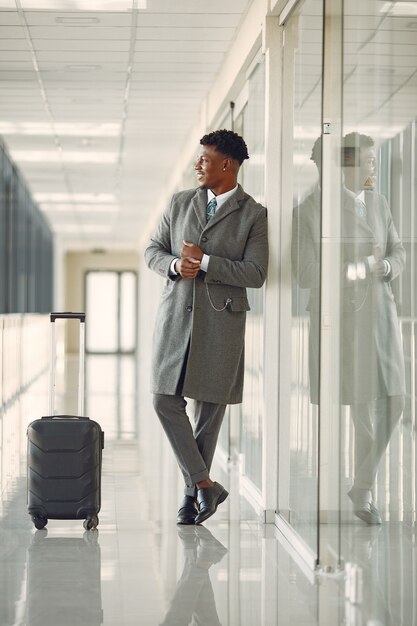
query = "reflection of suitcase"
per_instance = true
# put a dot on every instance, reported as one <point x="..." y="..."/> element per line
<point x="64" y="455"/>
<point x="63" y="583"/>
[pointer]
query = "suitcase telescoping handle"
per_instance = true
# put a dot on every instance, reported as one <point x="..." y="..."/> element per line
<point x="67" y="316"/>
<point x="81" y="368"/>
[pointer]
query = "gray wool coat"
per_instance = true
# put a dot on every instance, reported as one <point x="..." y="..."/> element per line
<point x="189" y="331"/>
<point x="371" y="356"/>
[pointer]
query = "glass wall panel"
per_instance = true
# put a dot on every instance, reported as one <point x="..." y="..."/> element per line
<point x="26" y="246"/>
<point x="3" y="232"/>
<point x="378" y="246"/>
<point x="301" y="199"/>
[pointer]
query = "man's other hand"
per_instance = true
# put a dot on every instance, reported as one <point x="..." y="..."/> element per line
<point x="380" y="269"/>
<point x="187" y="267"/>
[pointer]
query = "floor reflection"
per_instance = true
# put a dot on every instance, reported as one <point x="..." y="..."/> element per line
<point x="63" y="582"/>
<point x="193" y="601"/>
<point x="387" y="557"/>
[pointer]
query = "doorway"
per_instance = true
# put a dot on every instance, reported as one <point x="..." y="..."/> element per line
<point x="111" y="310"/>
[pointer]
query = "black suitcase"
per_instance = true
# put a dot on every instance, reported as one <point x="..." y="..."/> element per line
<point x="65" y="455"/>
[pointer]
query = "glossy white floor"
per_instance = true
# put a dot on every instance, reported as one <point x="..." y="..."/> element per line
<point x="139" y="568"/>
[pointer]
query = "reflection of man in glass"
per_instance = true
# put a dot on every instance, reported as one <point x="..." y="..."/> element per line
<point x="193" y="601"/>
<point x="371" y="358"/>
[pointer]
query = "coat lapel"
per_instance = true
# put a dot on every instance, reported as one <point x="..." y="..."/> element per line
<point x="199" y="204"/>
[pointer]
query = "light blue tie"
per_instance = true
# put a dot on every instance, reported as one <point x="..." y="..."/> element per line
<point x="211" y="208"/>
<point x="360" y="208"/>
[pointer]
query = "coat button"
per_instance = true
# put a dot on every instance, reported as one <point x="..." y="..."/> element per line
<point x="204" y="239"/>
<point x="189" y="309"/>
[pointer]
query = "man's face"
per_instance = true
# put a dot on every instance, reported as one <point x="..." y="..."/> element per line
<point x="360" y="166"/>
<point x="209" y="166"/>
<point x="367" y="167"/>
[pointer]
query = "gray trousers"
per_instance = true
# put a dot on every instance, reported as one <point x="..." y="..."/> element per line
<point x="374" y="423"/>
<point x="193" y="447"/>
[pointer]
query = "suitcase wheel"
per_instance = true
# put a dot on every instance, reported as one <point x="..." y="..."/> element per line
<point x="40" y="521"/>
<point x="91" y="523"/>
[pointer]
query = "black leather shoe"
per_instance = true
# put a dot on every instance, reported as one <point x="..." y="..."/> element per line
<point x="188" y="511"/>
<point x="208" y="499"/>
<point x="363" y="507"/>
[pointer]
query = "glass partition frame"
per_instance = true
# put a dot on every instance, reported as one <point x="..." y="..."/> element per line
<point x="301" y="194"/>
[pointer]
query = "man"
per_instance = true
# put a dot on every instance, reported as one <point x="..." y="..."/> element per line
<point x="371" y="358"/>
<point x="210" y="245"/>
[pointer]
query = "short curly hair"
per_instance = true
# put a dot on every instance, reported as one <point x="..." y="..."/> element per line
<point x="228" y="143"/>
<point x="357" y="140"/>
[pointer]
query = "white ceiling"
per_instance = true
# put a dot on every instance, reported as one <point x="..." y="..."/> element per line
<point x="98" y="97"/>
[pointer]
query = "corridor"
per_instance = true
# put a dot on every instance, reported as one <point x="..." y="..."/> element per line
<point x="140" y="568"/>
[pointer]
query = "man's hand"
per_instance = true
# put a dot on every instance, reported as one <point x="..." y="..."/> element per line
<point x="191" y="250"/>
<point x="187" y="267"/>
<point x="380" y="269"/>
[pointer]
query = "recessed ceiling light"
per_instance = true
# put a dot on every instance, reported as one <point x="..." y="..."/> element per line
<point x="82" y="67"/>
<point x="82" y="208"/>
<point x="70" y="156"/>
<point x="83" y="5"/>
<point x="94" y="198"/>
<point x="77" y="21"/>
<point x="67" y="129"/>
<point x="87" y="99"/>
<point x="399" y="8"/>
<point x="83" y="228"/>
<point x="380" y="70"/>
<point x="96" y="228"/>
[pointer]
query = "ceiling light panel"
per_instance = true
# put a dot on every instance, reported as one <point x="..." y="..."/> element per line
<point x="77" y="19"/>
<point x="194" y="6"/>
<point x="75" y="33"/>
<point x="399" y="8"/>
<point x="81" y="208"/>
<point x="190" y="19"/>
<point x="49" y="156"/>
<point x="82" y="5"/>
<point x="183" y="34"/>
<point x="68" y="129"/>
<point x="193" y="45"/>
<point x="93" y="198"/>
